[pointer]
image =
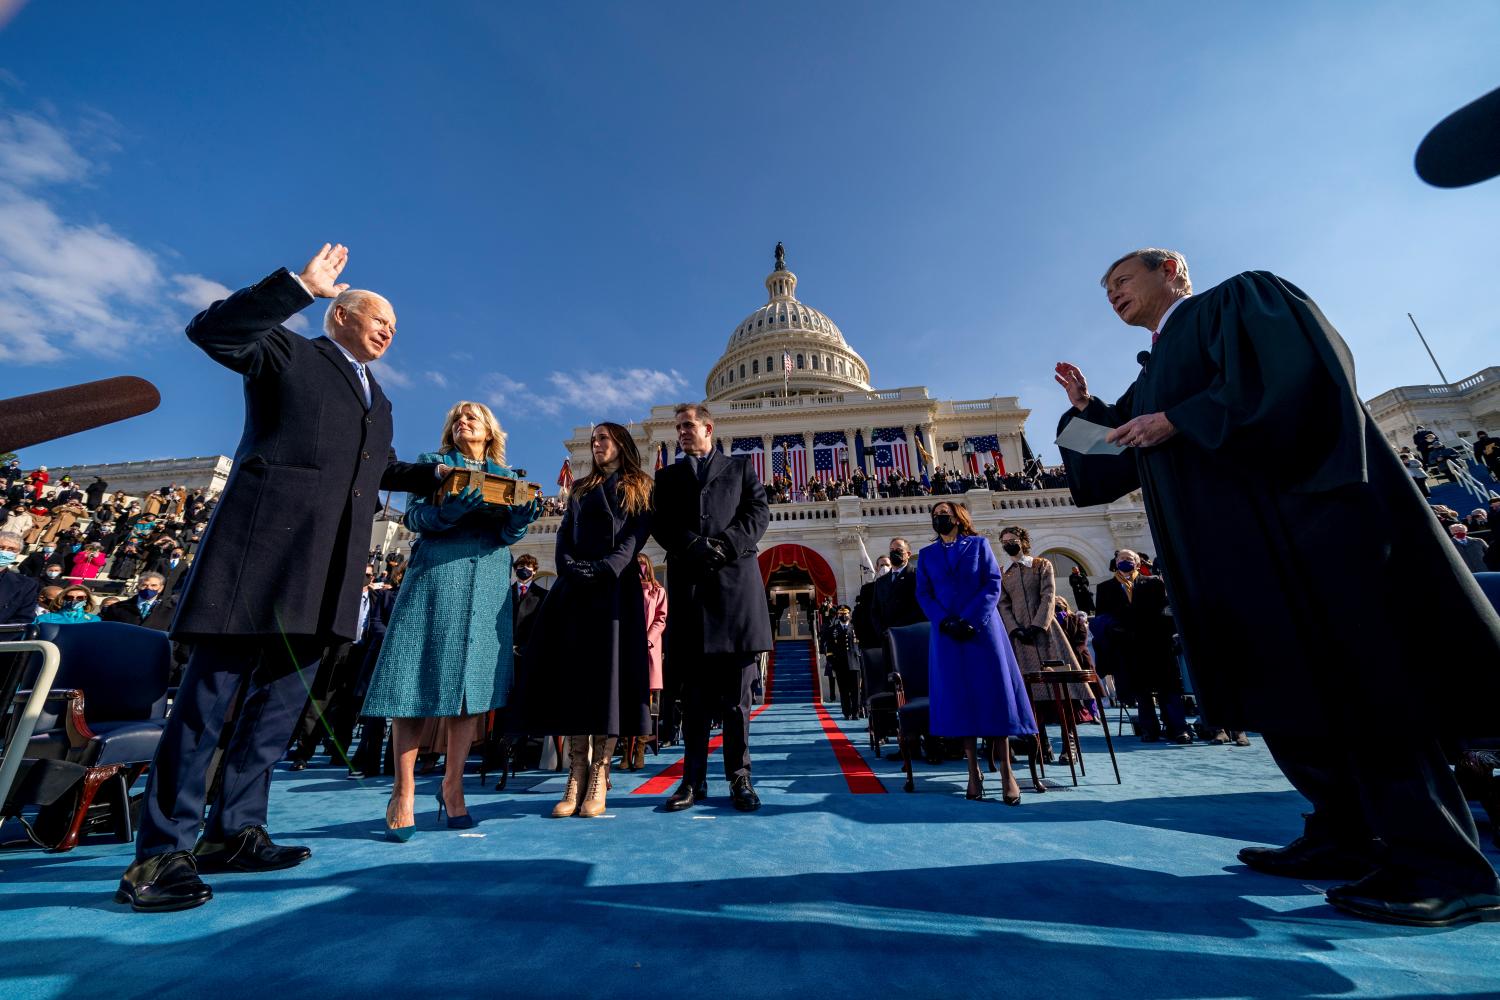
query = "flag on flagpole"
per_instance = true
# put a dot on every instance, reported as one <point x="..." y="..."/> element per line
<point x="661" y="457"/>
<point x="866" y="564"/>
<point x="565" y="477"/>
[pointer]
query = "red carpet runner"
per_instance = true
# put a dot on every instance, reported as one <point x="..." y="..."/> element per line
<point x="857" y="773"/>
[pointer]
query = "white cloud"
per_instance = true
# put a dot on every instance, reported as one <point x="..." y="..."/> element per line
<point x="298" y="322"/>
<point x="436" y="378"/>
<point x="608" y="394"/>
<point x="198" y="292"/>
<point x="33" y="151"/>
<point x="389" y="374"/>
<point x="67" y="287"/>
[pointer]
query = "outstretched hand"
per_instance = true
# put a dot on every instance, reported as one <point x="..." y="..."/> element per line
<point x="1077" y="387"/>
<point x="321" y="275"/>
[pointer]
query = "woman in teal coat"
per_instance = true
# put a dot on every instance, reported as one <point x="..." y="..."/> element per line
<point x="448" y="650"/>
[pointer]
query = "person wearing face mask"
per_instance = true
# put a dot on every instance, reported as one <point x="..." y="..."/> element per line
<point x="1028" y="608"/>
<point x="18" y="594"/>
<point x="974" y="684"/>
<point x="73" y="606"/>
<point x="148" y="608"/>
<point x="592" y="675"/>
<point x="1136" y="626"/>
<point x="526" y="597"/>
<point x="896" y="601"/>
<point x="127" y="562"/>
<point x="35" y="564"/>
<point x="655" y="595"/>
<point x="840" y="642"/>
<point x="864" y="607"/>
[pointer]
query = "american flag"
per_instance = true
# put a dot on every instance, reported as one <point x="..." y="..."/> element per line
<point x="890" y="452"/>
<point x="986" y="443"/>
<point x="565" y="477"/>
<point x="830" y="456"/>
<point x="786" y="364"/>
<point x="789" y="458"/>
<point x="754" y="449"/>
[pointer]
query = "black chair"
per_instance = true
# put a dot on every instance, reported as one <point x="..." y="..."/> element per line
<point x="906" y="653"/>
<point x="105" y="714"/>
<point x="880" y="698"/>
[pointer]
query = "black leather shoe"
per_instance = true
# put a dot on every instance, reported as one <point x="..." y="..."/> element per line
<point x="685" y="796"/>
<point x="1308" y="858"/>
<point x="743" y="796"/>
<point x="163" y="883"/>
<point x="250" y="850"/>
<point x="1182" y="739"/>
<point x="1392" y="896"/>
<point x="297" y="765"/>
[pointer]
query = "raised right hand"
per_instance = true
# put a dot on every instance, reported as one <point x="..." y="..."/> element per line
<point x="1077" y="387"/>
<point x="321" y="274"/>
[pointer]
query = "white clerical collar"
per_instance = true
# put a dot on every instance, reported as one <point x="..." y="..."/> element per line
<point x="1167" y="315"/>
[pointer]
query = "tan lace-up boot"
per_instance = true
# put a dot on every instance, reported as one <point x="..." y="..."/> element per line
<point x="578" y="777"/>
<point x="594" y="797"/>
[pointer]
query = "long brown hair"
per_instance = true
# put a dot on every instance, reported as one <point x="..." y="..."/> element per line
<point x="635" y="485"/>
<point x="960" y="514"/>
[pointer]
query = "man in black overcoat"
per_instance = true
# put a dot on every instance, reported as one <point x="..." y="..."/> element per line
<point x="711" y="512"/>
<point x="278" y="576"/>
<point x="18" y="593"/>
<point x="1136" y="646"/>
<point x="896" y="594"/>
<point x="1233" y="373"/>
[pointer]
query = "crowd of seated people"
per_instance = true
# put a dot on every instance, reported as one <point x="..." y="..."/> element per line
<point x="893" y="484"/>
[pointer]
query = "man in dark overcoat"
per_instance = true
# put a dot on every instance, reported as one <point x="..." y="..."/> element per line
<point x="1233" y="373"/>
<point x="278" y="576"/>
<point x="711" y="512"/>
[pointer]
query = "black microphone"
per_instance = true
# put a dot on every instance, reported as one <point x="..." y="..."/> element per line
<point x="1142" y="358"/>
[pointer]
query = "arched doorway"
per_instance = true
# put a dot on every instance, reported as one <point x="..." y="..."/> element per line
<point x="797" y="580"/>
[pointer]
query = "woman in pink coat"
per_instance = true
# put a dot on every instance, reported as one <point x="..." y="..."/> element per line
<point x="656" y="623"/>
<point x="88" y="562"/>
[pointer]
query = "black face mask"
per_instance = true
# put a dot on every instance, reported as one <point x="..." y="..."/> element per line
<point x="943" y="523"/>
<point x="524" y="573"/>
<point x="898" y="558"/>
<point x="1011" y="548"/>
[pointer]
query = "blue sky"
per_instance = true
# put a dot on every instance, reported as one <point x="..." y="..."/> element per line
<point x="572" y="206"/>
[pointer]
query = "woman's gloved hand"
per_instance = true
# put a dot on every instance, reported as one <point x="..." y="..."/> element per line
<point x="452" y="510"/>
<point x="957" y="629"/>
<point x="527" y="513"/>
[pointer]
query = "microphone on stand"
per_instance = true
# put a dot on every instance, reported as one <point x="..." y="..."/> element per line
<point x="46" y="416"/>
<point x="1142" y="358"/>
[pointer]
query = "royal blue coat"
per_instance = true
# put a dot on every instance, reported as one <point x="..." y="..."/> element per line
<point x="974" y="686"/>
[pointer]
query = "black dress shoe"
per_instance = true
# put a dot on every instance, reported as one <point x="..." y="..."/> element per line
<point x="743" y="796"/>
<point x="1395" y="897"/>
<point x="1308" y="858"/>
<point x="162" y="883"/>
<point x="250" y="850"/>
<point x="685" y="796"/>
<point x="1181" y="739"/>
<point x="298" y="765"/>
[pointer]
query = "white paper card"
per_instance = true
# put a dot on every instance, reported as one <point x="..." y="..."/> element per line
<point x="1087" y="438"/>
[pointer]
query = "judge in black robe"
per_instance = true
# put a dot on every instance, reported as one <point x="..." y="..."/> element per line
<point x="1258" y="462"/>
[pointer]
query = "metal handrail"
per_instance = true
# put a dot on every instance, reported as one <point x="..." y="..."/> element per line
<point x="26" y="725"/>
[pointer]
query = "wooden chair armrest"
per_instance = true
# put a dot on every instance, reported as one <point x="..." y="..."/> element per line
<point x="74" y="723"/>
<point x="899" y="687"/>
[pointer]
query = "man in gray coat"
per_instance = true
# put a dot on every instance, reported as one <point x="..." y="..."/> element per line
<point x="711" y="512"/>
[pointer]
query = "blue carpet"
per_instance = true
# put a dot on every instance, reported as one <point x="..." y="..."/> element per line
<point x="1128" y="891"/>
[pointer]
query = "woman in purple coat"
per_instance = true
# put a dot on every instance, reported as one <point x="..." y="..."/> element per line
<point x="974" y="685"/>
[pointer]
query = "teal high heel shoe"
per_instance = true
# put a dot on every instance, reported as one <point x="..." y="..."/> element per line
<point x="399" y="834"/>
<point x="463" y="822"/>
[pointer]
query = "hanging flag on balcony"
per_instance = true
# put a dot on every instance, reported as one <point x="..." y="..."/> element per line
<point x="985" y="444"/>
<point x="830" y="456"/>
<point x="789" y="458"/>
<point x="890" y="452"/>
<point x="754" y="449"/>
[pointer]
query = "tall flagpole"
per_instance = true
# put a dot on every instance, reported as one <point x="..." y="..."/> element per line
<point x="1435" y="364"/>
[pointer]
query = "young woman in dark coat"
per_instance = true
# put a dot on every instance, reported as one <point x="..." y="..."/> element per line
<point x="590" y="666"/>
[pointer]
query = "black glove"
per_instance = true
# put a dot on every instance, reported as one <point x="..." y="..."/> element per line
<point x="718" y="553"/>
<point x="709" y="553"/>
<point x="957" y="629"/>
<point x="1034" y="633"/>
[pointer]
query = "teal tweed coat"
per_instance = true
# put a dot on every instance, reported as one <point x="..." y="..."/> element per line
<point x="448" y="649"/>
